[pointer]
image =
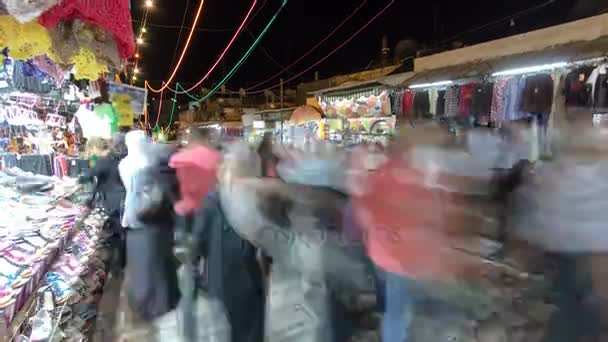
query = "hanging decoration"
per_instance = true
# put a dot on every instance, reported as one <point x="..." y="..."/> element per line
<point x="93" y="125"/>
<point x="106" y="112"/>
<point x="26" y="11"/>
<point x="111" y="15"/>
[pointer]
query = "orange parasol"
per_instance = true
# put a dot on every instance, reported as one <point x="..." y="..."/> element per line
<point x="305" y="114"/>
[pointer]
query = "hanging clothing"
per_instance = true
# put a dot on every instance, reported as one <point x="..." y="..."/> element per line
<point x="497" y="113"/>
<point x="593" y="78"/>
<point x="407" y="101"/>
<point x="451" y="101"/>
<point x="576" y="91"/>
<point x="466" y="98"/>
<point x="395" y="99"/>
<point x="481" y="102"/>
<point x="433" y="94"/>
<point x="422" y="106"/>
<point x="538" y="94"/>
<point x="513" y="98"/>
<point x="441" y="102"/>
<point x="599" y="91"/>
<point x="29" y="79"/>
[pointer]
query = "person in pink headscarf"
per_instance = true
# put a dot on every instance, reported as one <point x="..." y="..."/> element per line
<point x="196" y="167"/>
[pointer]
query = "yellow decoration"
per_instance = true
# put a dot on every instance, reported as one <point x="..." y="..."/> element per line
<point x="87" y="66"/>
<point x="24" y="41"/>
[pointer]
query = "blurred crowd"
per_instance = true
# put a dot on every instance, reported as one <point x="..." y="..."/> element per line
<point x="273" y="242"/>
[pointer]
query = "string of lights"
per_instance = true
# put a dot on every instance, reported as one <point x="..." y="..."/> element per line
<point x="139" y="41"/>
<point x="183" y="54"/>
<point x="217" y="62"/>
<point x="353" y="36"/>
<point x="172" y="109"/>
<point x="311" y="50"/>
<point x="240" y="62"/>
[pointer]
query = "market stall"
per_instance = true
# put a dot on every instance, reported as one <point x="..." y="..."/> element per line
<point x="50" y="256"/>
<point x="275" y="121"/>
<point x="364" y="111"/>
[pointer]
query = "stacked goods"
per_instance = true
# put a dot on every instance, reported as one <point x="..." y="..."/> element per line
<point x="45" y="244"/>
<point x="39" y="225"/>
<point x="72" y="288"/>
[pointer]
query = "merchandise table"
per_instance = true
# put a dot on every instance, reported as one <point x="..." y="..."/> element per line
<point x="46" y="244"/>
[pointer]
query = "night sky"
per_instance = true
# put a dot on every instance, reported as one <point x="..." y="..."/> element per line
<point x="303" y="23"/>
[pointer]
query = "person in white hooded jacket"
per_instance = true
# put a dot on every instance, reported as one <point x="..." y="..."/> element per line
<point x="148" y="216"/>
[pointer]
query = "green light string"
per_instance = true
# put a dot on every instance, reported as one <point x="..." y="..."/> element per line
<point x="157" y="128"/>
<point x="173" y="107"/>
<point x="240" y="62"/>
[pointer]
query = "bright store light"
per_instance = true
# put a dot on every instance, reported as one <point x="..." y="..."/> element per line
<point x="140" y="41"/>
<point x="428" y="85"/>
<point x="143" y="30"/>
<point x="532" y="69"/>
<point x="137" y="55"/>
<point x="134" y="78"/>
<point x="136" y="71"/>
<point x="149" y="3"/>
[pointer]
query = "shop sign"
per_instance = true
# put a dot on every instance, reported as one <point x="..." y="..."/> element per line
<point x="134" y="96"/>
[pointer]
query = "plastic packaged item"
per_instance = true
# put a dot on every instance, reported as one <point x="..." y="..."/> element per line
<point x="42" y="326"/>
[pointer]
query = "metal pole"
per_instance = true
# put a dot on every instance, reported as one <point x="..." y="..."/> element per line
<point x="282" y="114"/>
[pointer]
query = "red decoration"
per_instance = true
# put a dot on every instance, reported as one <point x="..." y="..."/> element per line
<point x="112" y="15"/>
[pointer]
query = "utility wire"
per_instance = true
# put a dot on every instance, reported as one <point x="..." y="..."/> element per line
<point x="178" y="27"/>
<point x="179" y="36"/>
<point x="353" y="36"/>
<point x="348" y="18"/>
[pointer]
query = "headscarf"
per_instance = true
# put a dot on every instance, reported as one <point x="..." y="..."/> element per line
<point x="196" y="170"/>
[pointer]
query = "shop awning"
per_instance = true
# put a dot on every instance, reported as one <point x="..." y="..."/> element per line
<point x="457" y="72"/>
<point x="573" y="52"/>
<point x="386" y="81"/>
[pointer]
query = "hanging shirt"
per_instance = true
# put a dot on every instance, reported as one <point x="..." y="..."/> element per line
<point x="592" y="80"/>
<point x="538" y="94"/>
<point x="466" y="98"/>
<point x="497" y="112"/>
<point x="513" y="99"/>
<point x="441" y="102"/>
<point x="599" y="93"/>
<point x="451" y="101"/>
<point x="575" y="90"/>
<point x="481" y="103"/>
<point x="422" y="105"/>
<point x="433" y="94"/>
<point x="407" y="101"/>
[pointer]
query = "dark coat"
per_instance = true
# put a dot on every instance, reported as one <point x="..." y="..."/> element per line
<point x="233" y="275"/>
<point x="109" y="186"/>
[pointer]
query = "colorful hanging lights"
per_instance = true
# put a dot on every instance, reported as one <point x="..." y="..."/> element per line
<point x="183" y="54"/>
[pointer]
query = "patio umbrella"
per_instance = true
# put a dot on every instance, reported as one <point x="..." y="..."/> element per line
<point x="305" y="114"/>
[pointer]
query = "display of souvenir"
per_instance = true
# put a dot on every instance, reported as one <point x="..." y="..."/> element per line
<point x="362" y="106"/>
